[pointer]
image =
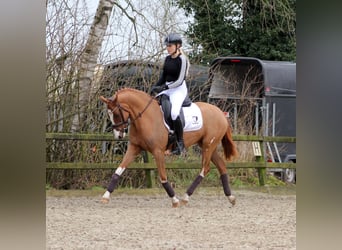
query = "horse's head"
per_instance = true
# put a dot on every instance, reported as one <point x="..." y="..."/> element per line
<point x="118" y="115"/>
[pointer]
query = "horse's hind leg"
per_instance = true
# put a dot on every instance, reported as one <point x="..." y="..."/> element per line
<point x="219" y="163"/>
<point x="192" y="187"/>
<point x="206" y="153"/>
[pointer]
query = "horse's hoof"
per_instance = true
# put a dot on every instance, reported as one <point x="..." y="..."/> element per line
<point x="184" y="202"/>
<point x="232" y="199"/>
<point x="175" y="202"/>
<point x="104" y="200"/>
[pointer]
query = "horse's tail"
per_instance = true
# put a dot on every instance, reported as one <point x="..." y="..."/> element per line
<point x="229" y="147"/>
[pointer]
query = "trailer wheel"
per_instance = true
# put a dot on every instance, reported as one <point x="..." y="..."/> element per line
<point x="289" y="175"/>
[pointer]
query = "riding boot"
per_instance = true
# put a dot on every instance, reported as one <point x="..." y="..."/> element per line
<point x="179" y="135"/>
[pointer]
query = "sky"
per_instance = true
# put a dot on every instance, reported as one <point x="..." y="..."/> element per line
<point x="120" y="37"/>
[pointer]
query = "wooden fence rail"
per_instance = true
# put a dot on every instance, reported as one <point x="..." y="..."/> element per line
<point x="149" y="165"/>
<point x="109" y="137"/>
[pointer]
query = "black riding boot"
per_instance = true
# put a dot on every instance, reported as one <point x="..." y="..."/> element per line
<point x="179" y="135"/>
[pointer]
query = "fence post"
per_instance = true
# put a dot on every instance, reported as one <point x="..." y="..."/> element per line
<point x="260" y="158"/>
<point x="149" y="173"/>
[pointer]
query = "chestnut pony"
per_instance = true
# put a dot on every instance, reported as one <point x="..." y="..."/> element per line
<point x="148" y="132"/>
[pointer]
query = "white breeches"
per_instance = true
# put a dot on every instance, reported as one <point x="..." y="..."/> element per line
<point x="177" y="96"/>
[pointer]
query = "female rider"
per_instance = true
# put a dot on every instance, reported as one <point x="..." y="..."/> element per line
<point x="172" y="83"/>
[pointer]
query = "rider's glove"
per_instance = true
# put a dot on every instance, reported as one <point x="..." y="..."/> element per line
<point x="158" y="89"/>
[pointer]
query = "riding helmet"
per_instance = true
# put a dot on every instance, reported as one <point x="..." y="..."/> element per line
<point x="173" y="38"/>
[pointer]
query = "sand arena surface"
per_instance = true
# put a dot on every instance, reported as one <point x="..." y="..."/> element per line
<point x="132" y="221"/>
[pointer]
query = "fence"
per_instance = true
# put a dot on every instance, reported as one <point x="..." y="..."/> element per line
<point x="149" y="165"/>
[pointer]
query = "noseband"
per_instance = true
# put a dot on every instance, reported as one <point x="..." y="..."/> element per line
<point x="126" y="122"/>
<point x="123" y="121"/>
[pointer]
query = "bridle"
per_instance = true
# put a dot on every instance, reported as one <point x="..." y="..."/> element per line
<point x="122" y="109"/>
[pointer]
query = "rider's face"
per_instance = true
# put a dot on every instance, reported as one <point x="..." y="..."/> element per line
<point x="171" y="48"/>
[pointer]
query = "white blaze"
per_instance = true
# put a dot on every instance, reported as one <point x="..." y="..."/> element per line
<point x="117" y="134"/>
<point x="111" y="117"/>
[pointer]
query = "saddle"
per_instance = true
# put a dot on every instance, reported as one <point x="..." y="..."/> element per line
<point x="164" y="102"/>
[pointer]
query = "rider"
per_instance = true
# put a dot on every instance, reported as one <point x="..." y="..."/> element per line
<point x="172" y="83"/>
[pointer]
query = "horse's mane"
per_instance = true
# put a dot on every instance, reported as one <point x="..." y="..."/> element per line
<point x="130" y="92"/>
<point x="126" y="89"/>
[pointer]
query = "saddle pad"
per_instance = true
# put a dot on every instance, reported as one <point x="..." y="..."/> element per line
<point x="193" y="118"/>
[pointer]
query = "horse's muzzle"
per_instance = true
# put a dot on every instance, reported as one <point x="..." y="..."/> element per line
<point x="121" y="132"/>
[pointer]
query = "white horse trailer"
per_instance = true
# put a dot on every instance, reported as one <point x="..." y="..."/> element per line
<point x="260" y="98"/>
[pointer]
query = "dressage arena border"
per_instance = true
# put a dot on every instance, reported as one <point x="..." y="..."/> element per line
<point x="144" y="219"/>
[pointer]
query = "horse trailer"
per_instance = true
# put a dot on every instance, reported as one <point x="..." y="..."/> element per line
<point x="260" y="98"/>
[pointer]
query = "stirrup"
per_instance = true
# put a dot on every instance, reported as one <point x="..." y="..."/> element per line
<point x="179" y="149"/>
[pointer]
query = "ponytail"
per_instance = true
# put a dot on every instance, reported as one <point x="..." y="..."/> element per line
<point x="187" y="61"/>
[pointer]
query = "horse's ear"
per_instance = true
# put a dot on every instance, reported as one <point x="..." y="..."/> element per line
<point x="104" y="99"/>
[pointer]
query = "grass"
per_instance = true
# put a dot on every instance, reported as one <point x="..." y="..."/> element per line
<point x="239" y="180"/>
<point x="93" y="182"/>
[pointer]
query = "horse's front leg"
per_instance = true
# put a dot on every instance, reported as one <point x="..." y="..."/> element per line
<point x="131" y="153"/>
<point x="160" y="161"/>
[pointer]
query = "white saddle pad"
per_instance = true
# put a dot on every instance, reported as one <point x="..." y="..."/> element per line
<point x="193" y="118"/>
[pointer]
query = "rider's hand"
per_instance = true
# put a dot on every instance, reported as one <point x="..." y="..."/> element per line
<point x="158" y="89"/>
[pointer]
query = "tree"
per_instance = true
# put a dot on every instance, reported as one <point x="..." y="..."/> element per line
<point x="257" y="28"/>
<point x="89" y="60"/>
<point x="65" y="39"/>
<point x="267" y="30"/>
<point x="213" y="28"/>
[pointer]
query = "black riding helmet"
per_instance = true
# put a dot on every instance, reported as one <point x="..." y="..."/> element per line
<point x="173" y="38"/>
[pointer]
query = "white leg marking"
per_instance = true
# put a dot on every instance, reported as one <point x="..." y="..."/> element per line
<point x="232" y="199"/>
<point x="119" y="171"/>
<point x="186" y="197"/>
<point x="202" y="172"/>
<point x="175" y="199"/>
<point x="106" y="195"/>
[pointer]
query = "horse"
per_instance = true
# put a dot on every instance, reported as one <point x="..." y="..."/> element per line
<point x="147" y="131"/>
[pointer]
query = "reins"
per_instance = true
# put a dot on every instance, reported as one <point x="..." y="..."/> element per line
<point x="127" y="122"/>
